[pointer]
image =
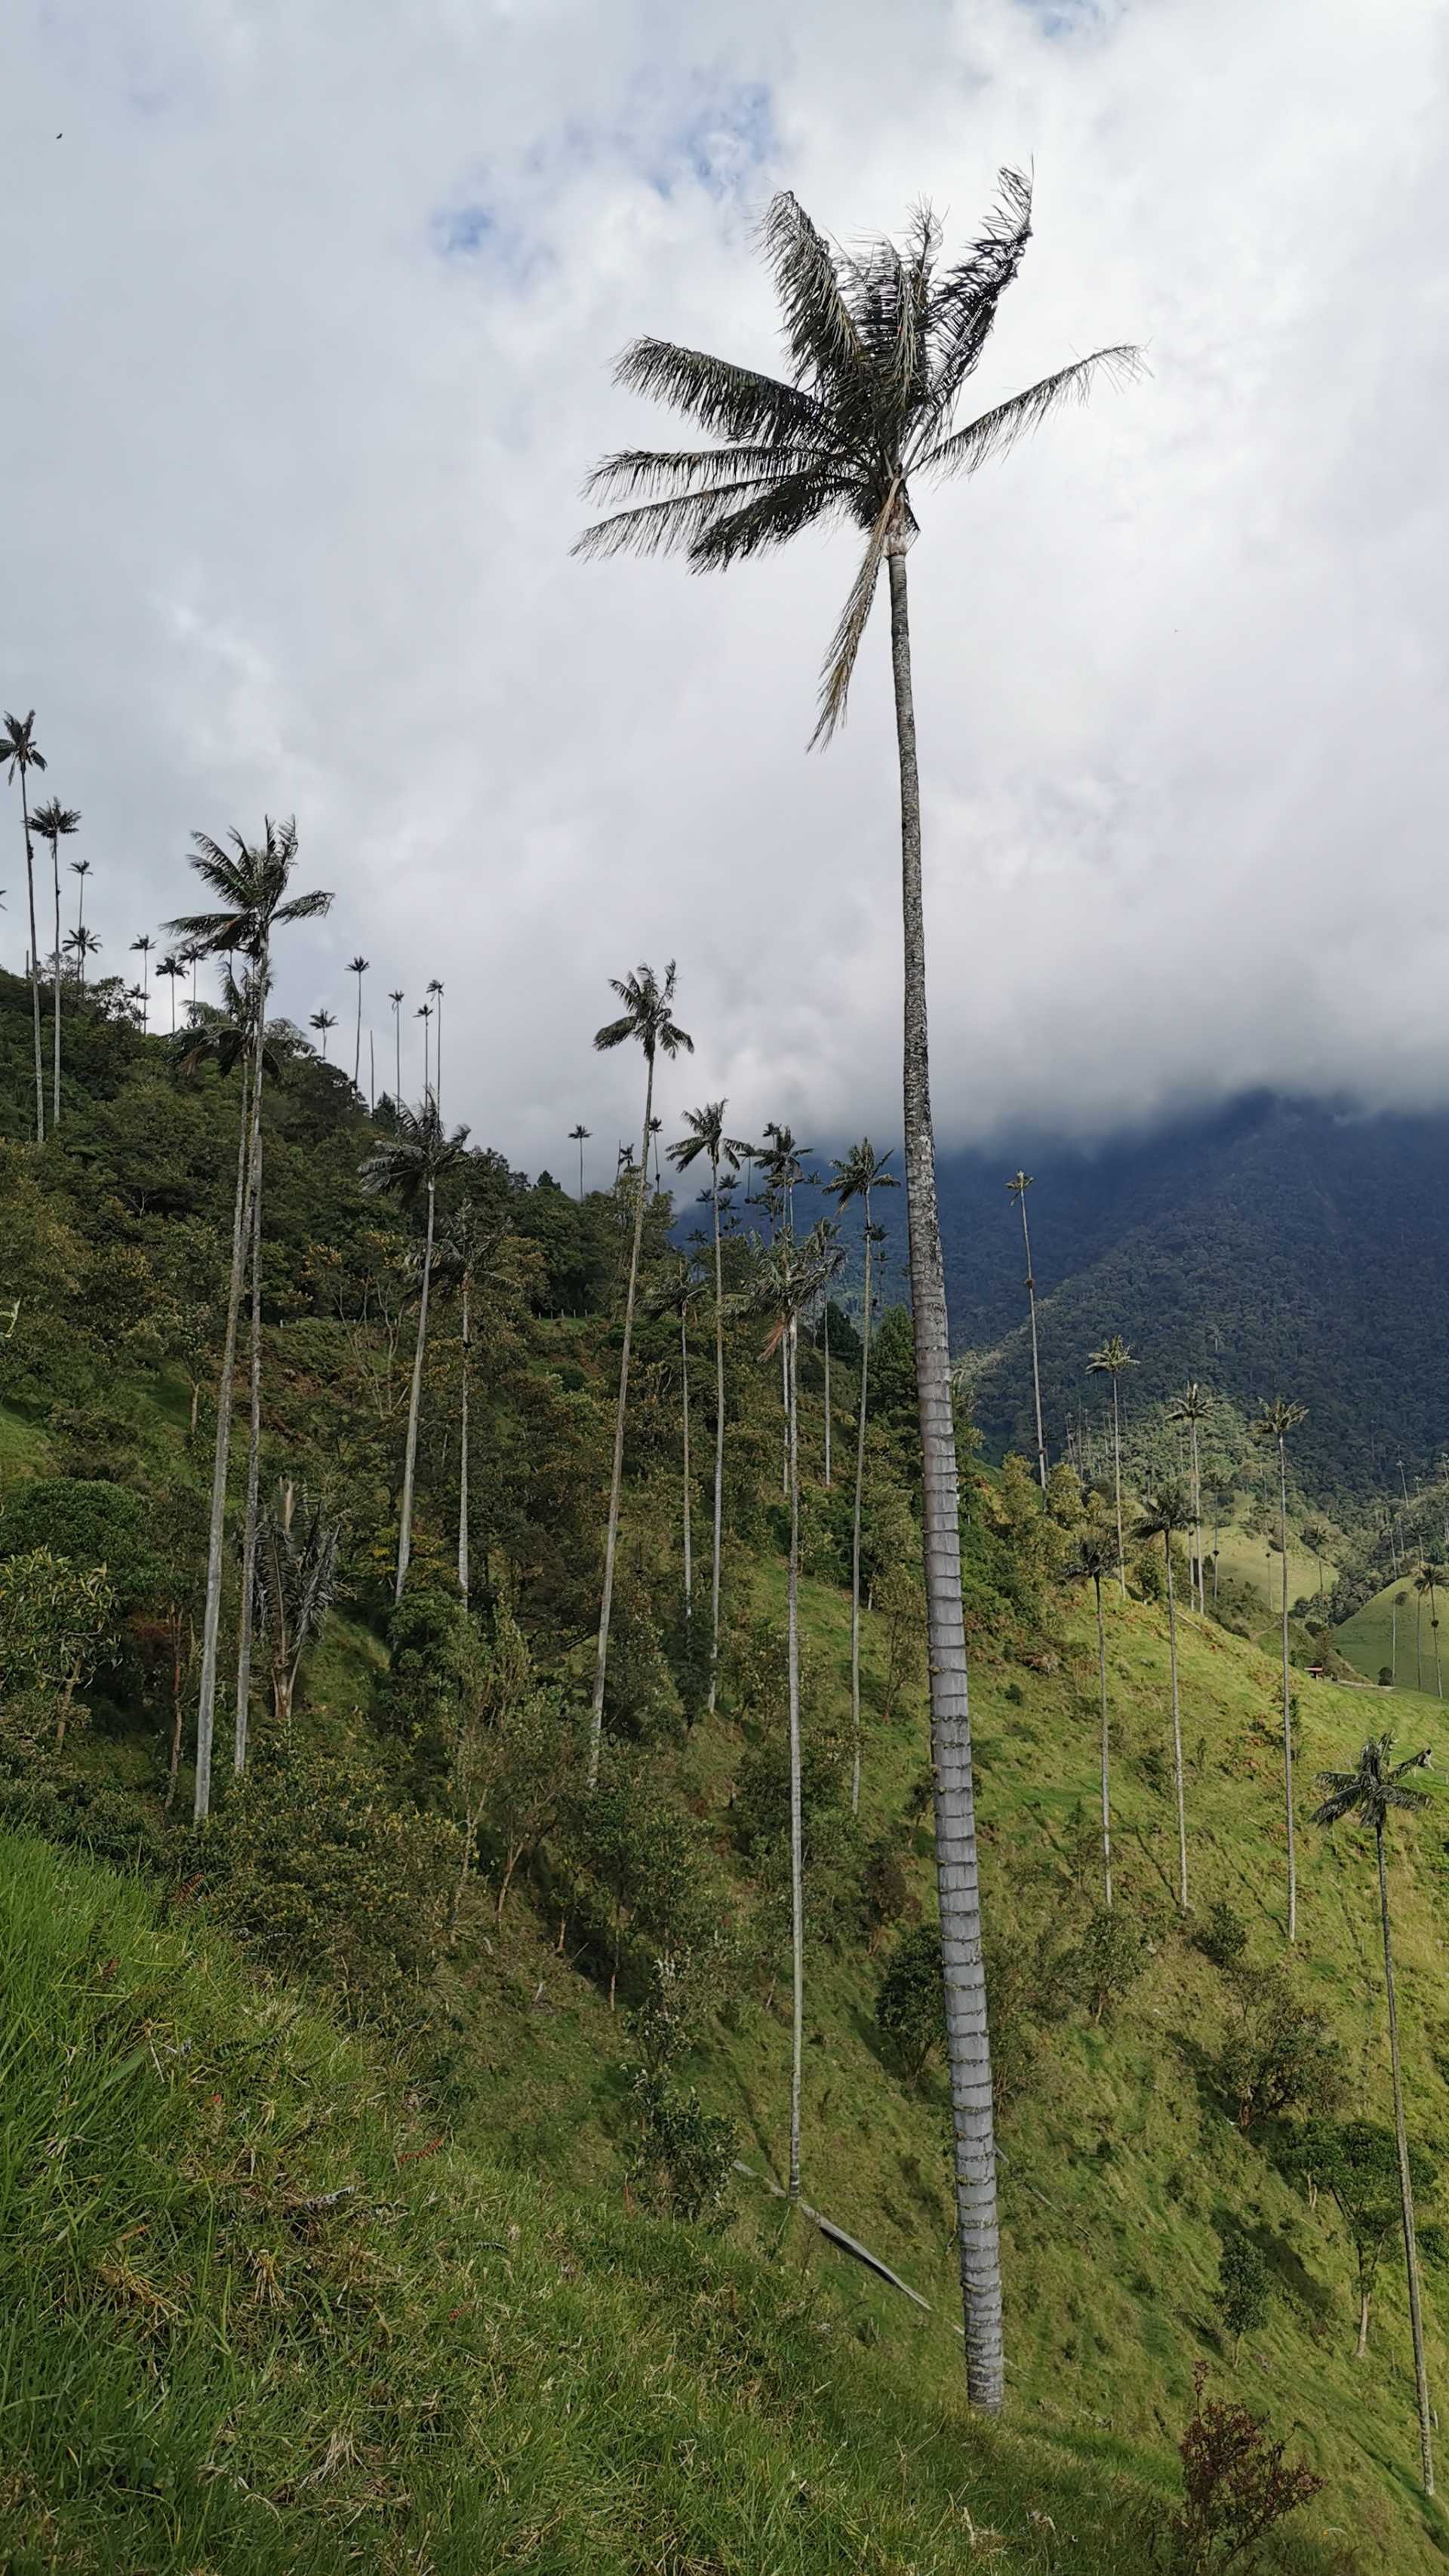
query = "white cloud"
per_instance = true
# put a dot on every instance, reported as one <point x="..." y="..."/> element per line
<point x="309" y="350"/>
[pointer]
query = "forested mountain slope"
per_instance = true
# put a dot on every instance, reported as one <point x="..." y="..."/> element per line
<point x="570" y="2014"/>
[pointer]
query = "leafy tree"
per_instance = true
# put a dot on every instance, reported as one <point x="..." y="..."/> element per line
<point x="1357" y="2163"/>
<point x="92" y="1525"/>
<point x="1165" y="1514"/>
<point x="250" y="883"/>
<point x="1272" y="1425"/>
<point x="1242" y="2288"/>
<point x="857" y="1174"/>
<point x="1280" y="2054"/>
<point x="881" y="345"/>
<point x="1238" y="2486"/>
<point x="20" y="753"/>
<point x="1018" y="1187"/>
<point x="296" y="1580"/>
<point x="1371" y="1794"/>
<point x="54" y="1620"/>
<point x="648" y="1015"/>
<point x="1110" y="1361"/>
<point x="1106" y="1963"/>
<point x="910" y="2002"/>
<point x="409" y="1165"/>
<point x="632" y="1846"/>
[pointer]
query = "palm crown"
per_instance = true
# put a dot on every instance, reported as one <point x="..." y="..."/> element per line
<point x="647" y="1014"/>
<point x="1165" y="1511"/>
<point x="1112" y="1357"/>
<point x="881" y="343"/>
<point x="414" y="1158"/>
<point x="250" y="884"/>
<point x="1373" y="1788"/>
<point x="788" y="1275"/>
<point x="1274" y="1421"/>
<point x="1097" y="1551"/>
<point x="18" y="747"/>
<point x="1193" y="1405"/>
<point x="53" y="821"/>
<point x="859" y="1172"/>
<point x="707" y="1136"/>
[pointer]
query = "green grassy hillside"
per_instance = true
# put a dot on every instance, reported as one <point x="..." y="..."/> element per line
<point x="1375" y="1641"/>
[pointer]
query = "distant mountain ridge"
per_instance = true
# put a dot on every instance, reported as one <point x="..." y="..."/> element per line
<point x="1277" y="1245"/>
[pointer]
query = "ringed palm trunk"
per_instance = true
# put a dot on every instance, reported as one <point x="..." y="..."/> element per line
<point x="34" y="963"/>
<point x="463" y="1454"/>
<point x="797" y="1835"/>
<point x="211" y="1620"/>
<point x="688" y="1536"/>
<point x="1406" y="2190"/>
<point x="357" y="1050"/>
<point x="1176" y="1729"/>
<point x="1287" y="1695"/>
<point x="1106" y="1750"/>
<point x="1419" y="1643"/>
<point x="616" y="1480"/>
<point x="1434" y="1633"/>
<point x="967" y="2044"/>
<point x="254" y="1464"/>
<point x="1117" y="1478"/>
<point x="855" y="1533"/>
<point x="719" y="1441"/>
<point x="1197" y="1527"/>
<point x="827" y="1386"/>
<point x="1041" y="1464"/>
<point x="55" y="989"/>
<point x="410" y="1459"/>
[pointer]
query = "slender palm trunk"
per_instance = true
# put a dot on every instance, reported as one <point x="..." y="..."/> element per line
<point x="357" y="1050"/>
<point x="719" y="1434"/>
<point x="1117" y="1478"/>
<point x="254" y="1469"/>
<point x="1106" y="1750"/>
<point x="581" y="1171"/>
<point x="1197" y="1525"/>
<point x="34" y="963"/>
<point x="438" y="1061"/>
<point x="1287" y="1695"/>
<point x="797" y="1834"/>
<point x="55" y="990"/>
<point x="1393" y="1641"/>
<point x="616" y="1480"/>
<point x="410" y="1460"/>
<point x="855" y="1533"/>
<point x="1406" y="2192"/>
<point x="371" y="1075"/>
<point x="463" y="1454"/>
<point x="397" y="1034"/>
<point x="826" y="1327"/>
<point x="211" y="1621"/>
<point x="967" y="2044"/>
<point x="1041" y="1465"/>
<point x="1176" y="1729"/>
<point x="688" y="1535"/>
<point x="1419" y="1643"/>
<point x="1434" y="1633"/>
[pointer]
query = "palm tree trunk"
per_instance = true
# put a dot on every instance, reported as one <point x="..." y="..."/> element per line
<point x="463" y="1455"/>
<point x="397" y="1034"/>
<point x="1419" y="1642"/>
<point x="719" y="1433"/>
<point x="438" y="1061"/>
<point x="1176" y="1729"/>
<point x="967" y="2044"/>
<point x="405" y="1525"/>
<point x="797" y="1834"/>
<point x="616" y="1480"/>
<point x="1393" y="1642"/>
<point x="1197" y="1524"/>
<point x="1117" y="1473"/>
<point x="1106" y="1750"/>
<point x="357" y="1050"/>
<point x="1361" y="2347"/>
<point x="826" y="1327"/>
<point x="34" y="963"/>
<point x="688" y="1537"/>
<point x="211" y="1620"/>
<point x="855" y="1534"/>
<point x="254" y="1465"/>
<point x="1434" y="1633"/>
<point x="1041" y="1464"/>
<point x="1287" y="1696"/>
<point x="55" y="989"/>
<point x="1406" y="2191"/>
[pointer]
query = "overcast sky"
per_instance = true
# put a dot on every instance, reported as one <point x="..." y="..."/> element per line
<point x="309" y="316"/>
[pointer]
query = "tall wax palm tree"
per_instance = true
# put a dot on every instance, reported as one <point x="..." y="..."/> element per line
<point x="881" y="344"/>
<point x="324" y="1022"/>
<point x="418" y="1155"/>
<point x="1018" y="1187"/>
<point x="424" y="1012"/>
<point x="250" y="883"/>
<point x="782" y="1161"/>
<point x="358" y="966"/>
<point x="20" y="753"/>
<point x="856" y="1175"/>
<point x="55" y="823"/>
<point x="1369" y="1794"/>
<point x="648" y="1015"/>
<point x="397" y="1000"/>
<point x="143" y="946"/>
<point x="580" y="1136"/>
<point x="1273" y="1424"/>
<point x="1167" y="1511"/>
<point x="465" y="1254"/>
<point x="1110" y="1361"/>
<point x="82" y="944"/>
<point x="1426" y="1581"/>
<point x="678" y="1293"/>
<point x="174" y="971"/>
<point x="707" y="1136"/>
<point x="435" y="990"/>
<point x="789" y="1275"/>
<point x="1097" y="1559"/>
<point x="1192" y="1409"/>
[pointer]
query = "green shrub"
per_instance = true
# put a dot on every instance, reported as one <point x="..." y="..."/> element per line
<point x="683" y="2166"/>
<point x="1223" y="1935"/>
<point x="1107" y="1962"/>
<point x="1242" y="2288"/>
<point x="910" y="2004"/>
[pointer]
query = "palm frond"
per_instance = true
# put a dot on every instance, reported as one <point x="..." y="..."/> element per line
<point x="819" y="325"/>
<point x="771" y="519"/>
<point x="615" y="1034"/>
<point x="669" y="526"/>
<point x="637" y="473"/>
<point x="994" y="432"/>
<point x="845" y="643"/>
<point x="732" y="402"/>
<point x="963" y="305"/>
